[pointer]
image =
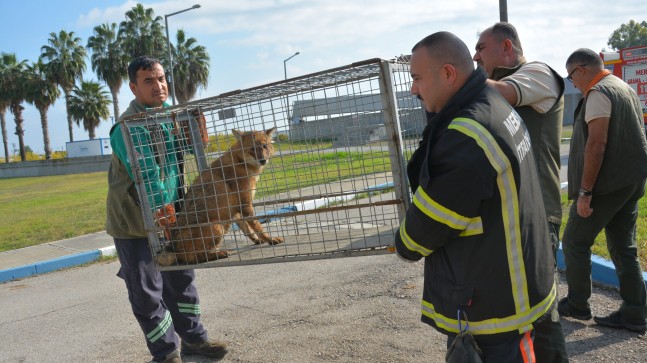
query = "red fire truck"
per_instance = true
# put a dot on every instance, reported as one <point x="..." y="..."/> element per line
<point x="630" y="64"/>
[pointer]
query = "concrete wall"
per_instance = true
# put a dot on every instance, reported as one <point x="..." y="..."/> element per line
<point x="35" y="168"/>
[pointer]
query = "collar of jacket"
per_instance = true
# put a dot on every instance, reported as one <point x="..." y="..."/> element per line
<point x="473" y="86"/>
<point x="598" y="77"/>
<point x="501" y="72"/>
<point x="143" y="108"/>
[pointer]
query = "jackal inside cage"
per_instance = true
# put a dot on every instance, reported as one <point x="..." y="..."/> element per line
<point x="310" y="167"/>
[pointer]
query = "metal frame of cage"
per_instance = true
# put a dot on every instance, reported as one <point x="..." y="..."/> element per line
<point x="336" y="187"/>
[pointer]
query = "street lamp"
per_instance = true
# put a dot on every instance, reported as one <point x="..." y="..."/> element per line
<point x="285" y="71"/>
<point x="170" y="56"/>
<point x="503" y="10"/>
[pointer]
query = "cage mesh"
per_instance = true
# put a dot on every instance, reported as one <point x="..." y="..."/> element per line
<point x="334" y="186"/>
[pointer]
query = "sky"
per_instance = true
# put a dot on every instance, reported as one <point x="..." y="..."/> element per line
<point x="248" y="40"/>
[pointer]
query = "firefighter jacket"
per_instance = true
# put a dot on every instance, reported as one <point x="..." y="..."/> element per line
<point x="156" y="152"/>
<point x="477" y="217"/>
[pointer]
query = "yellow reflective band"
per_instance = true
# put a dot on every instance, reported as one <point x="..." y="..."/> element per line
<point x="509" y="205"/>
<point x="441" y="214"/>
<point x="409" y="243"/>
<point x="521" y="321"/>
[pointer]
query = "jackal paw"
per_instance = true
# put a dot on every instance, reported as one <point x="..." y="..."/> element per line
<point x="214" y="255"/>
<point x="275" y="240"/>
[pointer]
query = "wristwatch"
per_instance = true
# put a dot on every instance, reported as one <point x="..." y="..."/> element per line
<point x="585" y="193"/>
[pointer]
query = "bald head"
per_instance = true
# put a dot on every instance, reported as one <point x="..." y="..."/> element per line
<point x="445" y="47"/>
<point x="440" y="66"/>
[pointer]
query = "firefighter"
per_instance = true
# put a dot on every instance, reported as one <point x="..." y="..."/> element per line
<point x="477" y="215"/>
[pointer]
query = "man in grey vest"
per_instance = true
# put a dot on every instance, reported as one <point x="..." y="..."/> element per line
<point x="607" y="167"/>
<point x="536" y="92"/>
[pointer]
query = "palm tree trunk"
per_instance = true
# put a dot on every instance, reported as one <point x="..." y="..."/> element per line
<point x="69" y="116"/>
<point x="115" y="102"/>
<point x="16" y="109"/>
<point x="43" y="123"/>
<point x="91" y="133"/>
<point x="5" y="140"/>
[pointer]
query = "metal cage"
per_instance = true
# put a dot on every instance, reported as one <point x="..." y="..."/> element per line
<point x="336" y="185"/>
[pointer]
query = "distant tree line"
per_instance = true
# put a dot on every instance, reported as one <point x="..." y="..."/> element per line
<point x="61" y="66"/>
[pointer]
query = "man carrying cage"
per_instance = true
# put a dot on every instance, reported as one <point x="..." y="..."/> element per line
<point x="167" y="302"/>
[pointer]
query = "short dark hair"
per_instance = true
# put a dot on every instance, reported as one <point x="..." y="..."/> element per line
<point x="142" y="62"/>
<point x="503" y="30"/>
<point x="447" y="48"/>
<point x="585" y="56"/>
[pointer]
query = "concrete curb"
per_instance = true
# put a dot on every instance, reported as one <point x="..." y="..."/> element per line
<point x="55" y="264"/>
<point x="602" y="270"/>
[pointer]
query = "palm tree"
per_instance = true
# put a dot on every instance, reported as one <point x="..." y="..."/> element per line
<point x="109" y="61"/>
<point x="142" y="33"/>
<point x="89" y="104"/>
<point x="42" y="92"/>
<point x="12" y="91"/>
<point x="65" y="61"/>
<point x="3" y="125"/>
<point x="190" y="68"/>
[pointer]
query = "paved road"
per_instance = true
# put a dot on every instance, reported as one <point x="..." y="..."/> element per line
<point x="360" y="309"/>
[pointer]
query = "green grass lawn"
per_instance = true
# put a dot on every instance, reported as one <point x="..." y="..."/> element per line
<point x="567" y="132"/>
<point x="46" y="209"/>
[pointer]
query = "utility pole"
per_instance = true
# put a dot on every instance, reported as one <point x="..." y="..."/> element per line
<point x="503" y="10"/>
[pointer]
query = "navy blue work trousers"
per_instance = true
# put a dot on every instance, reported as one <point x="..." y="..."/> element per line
<point x="164" y="302"/>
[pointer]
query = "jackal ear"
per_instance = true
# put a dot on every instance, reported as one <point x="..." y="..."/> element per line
<point x="237" y="134"/>
<point x="270" y="131"/>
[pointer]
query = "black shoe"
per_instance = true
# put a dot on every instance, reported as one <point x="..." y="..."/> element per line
<point x="616" y="320"/>
<point x="210" y="349"/>
<point x="566" y="310"/>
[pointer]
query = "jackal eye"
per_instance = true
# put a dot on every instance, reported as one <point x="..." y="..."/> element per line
<point x="264" y="146"/>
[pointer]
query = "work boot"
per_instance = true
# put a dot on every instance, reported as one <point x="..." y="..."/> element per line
<point x="616" y="320"/>
<point x="173" y="357"/>
<point x="209" y="348"/>
<point x="565" y="309"/>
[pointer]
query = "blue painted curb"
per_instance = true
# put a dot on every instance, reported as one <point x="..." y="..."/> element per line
<point x="602" y="270"/>
<point x="54" y="264"/>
